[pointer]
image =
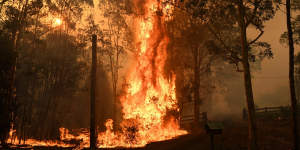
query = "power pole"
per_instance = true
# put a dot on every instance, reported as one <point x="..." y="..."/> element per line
<point x="93" y="136"/>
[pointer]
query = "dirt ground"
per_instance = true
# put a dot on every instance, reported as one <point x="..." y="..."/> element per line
<point x="272" y="134"/>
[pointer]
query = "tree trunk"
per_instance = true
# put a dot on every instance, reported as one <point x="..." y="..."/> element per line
<point x="16" y="34"/>
<point x="93" y="136"/>
<point x="196" y="86"/>
<point x="12" y="89"/>
<point x="292" y="77"/>
<point x="247" y="80"/>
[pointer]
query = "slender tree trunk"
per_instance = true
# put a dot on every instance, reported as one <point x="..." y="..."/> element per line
<point x="196" y="85"/>
<point x="13" y="90"/>
<point x="115" y="105"/>
<point x="16" y="34"/>
<point x="116" y="78"/>
<point x="93" y="136"/>
<point x="114" y="88"/>
<point x="292" y="77"/>
<point x="247" y="81"/>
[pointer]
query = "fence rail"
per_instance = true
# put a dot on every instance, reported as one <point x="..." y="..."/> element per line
<point x="271" y="112"/>
<point x="190" y="118"/>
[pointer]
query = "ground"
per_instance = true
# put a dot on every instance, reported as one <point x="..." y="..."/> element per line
<point x="272" y="134"/>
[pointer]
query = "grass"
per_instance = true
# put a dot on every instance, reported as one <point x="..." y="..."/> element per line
<point x="272" y="135"/>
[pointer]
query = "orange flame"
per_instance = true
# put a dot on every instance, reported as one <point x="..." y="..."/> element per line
<point x="13" y="139"/>
<point x="149" y="94"/>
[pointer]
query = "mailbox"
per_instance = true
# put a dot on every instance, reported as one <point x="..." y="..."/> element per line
<point x="213" y="128"/>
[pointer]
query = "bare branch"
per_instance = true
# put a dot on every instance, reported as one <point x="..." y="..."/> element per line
<point x="227" y="48"/>
<point x="260" y="34"/>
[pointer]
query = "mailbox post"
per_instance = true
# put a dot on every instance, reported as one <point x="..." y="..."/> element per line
<point x="213" y="128"/>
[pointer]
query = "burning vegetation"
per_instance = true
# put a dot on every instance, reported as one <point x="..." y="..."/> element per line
<point x="149" y="95"/>
<point x="162" y="74"/>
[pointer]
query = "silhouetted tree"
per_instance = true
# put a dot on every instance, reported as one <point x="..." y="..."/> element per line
<point x="7" y="56"/>
<point x="117" y="40"/>
<point x="188" y="42"/>
<point x="292" y="76"/>
<point x="220" y="16"/>
<point x="292" y="36"/>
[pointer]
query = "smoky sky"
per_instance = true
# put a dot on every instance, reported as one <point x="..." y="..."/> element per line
<point x="270" y="82"/>
<point x="272" y="79"/>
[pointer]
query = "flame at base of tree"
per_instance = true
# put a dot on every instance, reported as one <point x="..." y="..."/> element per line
<point x="149" y="97"/>
<point x="33" y="142"/>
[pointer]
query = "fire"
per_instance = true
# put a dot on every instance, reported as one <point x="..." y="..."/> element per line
<point x="33" y="142"/>
<point x="57" y="22"/>
<point x="150" y="95"/>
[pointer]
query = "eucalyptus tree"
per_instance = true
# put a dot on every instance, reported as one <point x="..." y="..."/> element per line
<point x="6" y="60"/>
<point x="188" y="41"/>
<point x="14" y="21"/>
<point x="235" y="17"/>
<point x="291" y="75"/>
<point x="117" y="40"/>
<point x="292" y="37"/>
<point x="33" y="78"/>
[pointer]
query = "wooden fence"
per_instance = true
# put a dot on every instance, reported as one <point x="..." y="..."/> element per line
<point x="190" y="118"/>
<point x="187" y="113"/>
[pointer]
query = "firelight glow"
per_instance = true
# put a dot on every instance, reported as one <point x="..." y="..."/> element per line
<point x="148" y="97"/>
<point x="57" y="22"/>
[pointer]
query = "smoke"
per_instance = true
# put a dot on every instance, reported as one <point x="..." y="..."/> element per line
<point x="278" y="97"/>
<point x="78" y="114"/>
<point x="104" y="99"/>
<point x="227" y="102"/>
<point x="228" y="97"/>
<point x="138" y="7"/>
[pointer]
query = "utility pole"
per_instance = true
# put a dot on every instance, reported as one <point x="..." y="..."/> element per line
<point x="93" y="135"/>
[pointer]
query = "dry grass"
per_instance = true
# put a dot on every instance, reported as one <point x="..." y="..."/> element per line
<point x="272" y="134"/>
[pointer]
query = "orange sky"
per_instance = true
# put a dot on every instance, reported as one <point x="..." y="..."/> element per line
<point x="271" y="84"/>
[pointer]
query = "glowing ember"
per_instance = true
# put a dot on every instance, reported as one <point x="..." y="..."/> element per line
<point x="149" y="94"/>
